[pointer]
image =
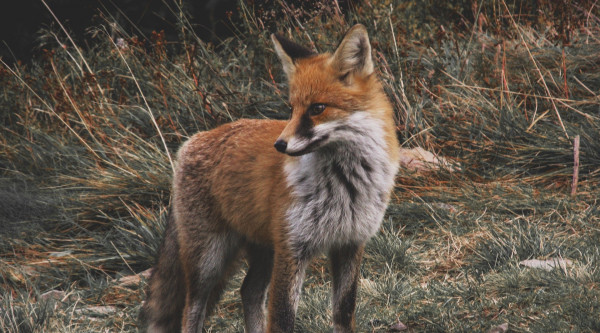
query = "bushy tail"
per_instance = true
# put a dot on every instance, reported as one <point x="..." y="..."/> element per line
<point x="165" y="299"/>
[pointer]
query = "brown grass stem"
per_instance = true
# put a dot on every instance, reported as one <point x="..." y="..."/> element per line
<point x="575" y="165"/>
<point x="517" y="28"/>
<point x="148" y="109"/>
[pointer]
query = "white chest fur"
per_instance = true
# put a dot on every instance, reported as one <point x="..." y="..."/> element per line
<point x="341" y="191"/>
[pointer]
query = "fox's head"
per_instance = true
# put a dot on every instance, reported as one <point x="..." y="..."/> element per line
<point x="326" y="89"/>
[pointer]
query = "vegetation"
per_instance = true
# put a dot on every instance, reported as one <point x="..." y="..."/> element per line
<point x="501" y="90"/>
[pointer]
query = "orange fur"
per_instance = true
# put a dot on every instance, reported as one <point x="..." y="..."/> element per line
<point x="246" y="175"/>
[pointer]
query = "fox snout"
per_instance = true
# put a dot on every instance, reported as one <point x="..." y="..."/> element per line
<point x="300" y="146"/>
<point x="281" y="145"/>
<point x="300" y="136"/>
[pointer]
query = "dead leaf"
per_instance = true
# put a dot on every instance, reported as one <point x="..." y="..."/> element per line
<point x="419" y="159"/>
<point x="398" y="327"/>
<point x="499" y="329"/>
<point x="97" y="310"/>
<point x="134" y="280"/>
<point x="53" y="294"/>
<point x="548" y="264"/>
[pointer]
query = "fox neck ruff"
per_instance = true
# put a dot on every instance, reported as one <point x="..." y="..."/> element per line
<point x="341" y="190"/>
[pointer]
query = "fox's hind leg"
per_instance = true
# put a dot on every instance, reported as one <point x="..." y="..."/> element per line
<point x="206" y="261"/>
<point x="254" y="288"/>
<point x="161" y="312"/>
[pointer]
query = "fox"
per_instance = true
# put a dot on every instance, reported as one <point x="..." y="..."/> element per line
<point x="280" y="193"/>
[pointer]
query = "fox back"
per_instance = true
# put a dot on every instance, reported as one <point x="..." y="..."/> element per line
<point x="280" y="192"/>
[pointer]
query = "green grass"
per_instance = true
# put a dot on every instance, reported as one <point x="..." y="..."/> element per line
<point x="87" y="135"/>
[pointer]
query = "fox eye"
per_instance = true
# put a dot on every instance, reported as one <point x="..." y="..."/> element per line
<point x="316" y="109"/>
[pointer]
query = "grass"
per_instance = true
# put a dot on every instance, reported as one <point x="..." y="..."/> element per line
<point x="87" y="136"/>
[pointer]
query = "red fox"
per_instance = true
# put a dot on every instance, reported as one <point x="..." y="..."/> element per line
<point x="281" y="192"/>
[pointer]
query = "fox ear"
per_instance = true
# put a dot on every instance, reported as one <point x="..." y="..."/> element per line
<point x="288" y="52"/>
<point x="353" y="55"/>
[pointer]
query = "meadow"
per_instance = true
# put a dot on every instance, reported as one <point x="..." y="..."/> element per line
<point x="504" y="237"/>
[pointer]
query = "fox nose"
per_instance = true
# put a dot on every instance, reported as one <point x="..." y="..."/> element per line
<point x="280" y="145"/>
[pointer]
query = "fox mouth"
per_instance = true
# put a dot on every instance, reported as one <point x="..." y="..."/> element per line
<point x="310" y="147"/>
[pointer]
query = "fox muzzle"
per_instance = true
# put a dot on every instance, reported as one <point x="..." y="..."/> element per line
<point x="280" y="145"/>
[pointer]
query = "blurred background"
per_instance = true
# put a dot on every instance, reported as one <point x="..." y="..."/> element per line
<point x="212" y="20"/>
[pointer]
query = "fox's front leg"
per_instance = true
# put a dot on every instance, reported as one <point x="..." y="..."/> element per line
<point x="345" y="266"/>
<point x="286" y="285"/>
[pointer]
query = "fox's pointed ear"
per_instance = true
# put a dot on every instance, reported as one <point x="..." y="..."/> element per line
<point x="353" y="55"/>
<point x="288" y="52"/>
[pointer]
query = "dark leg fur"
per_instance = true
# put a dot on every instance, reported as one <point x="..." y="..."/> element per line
<point x="286" y="285"/>
<point x="345" y="266"/>
<point x="217" y="291"/>
<point x="166" y="295"/>
<point x="254" y="288"/>
<point x="207" y="263"/>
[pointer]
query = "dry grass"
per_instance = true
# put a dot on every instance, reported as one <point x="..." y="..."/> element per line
<point x="87" y="136"/>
